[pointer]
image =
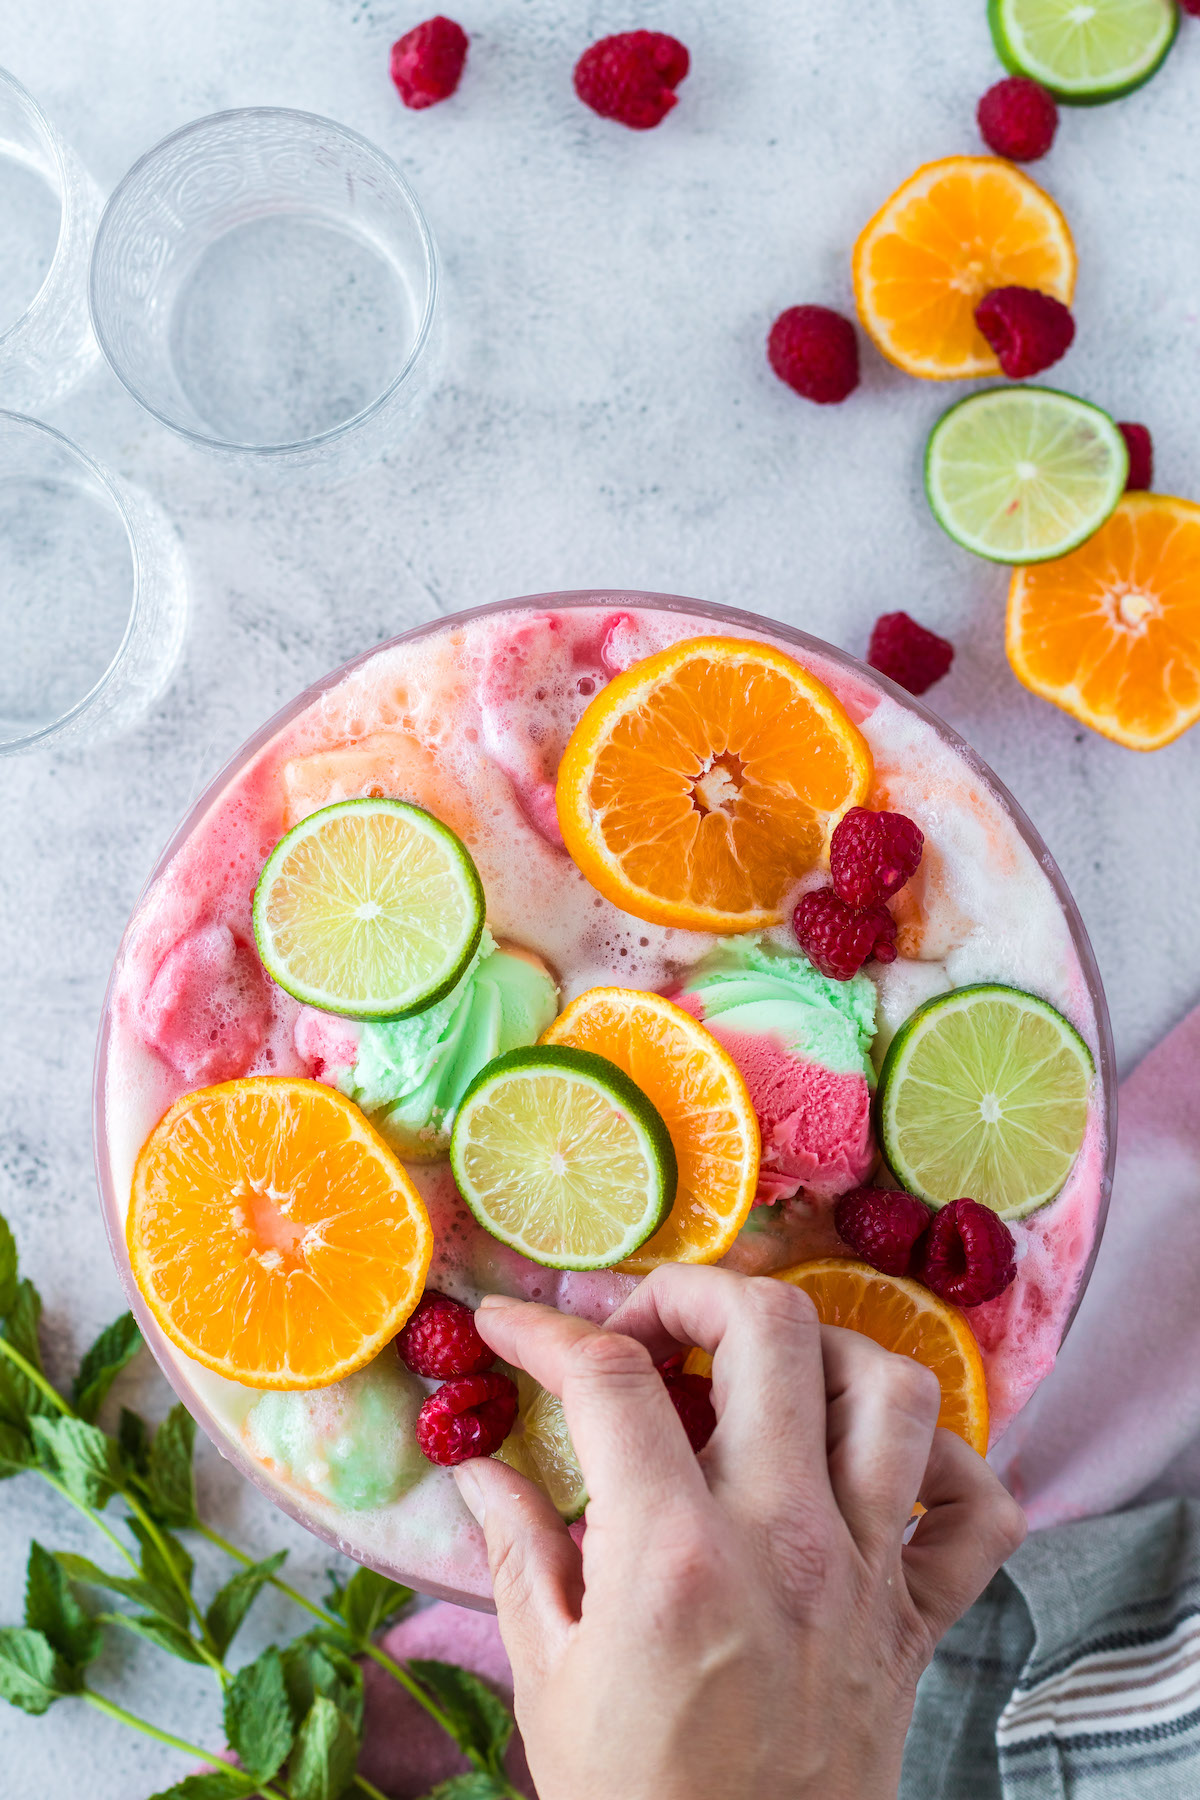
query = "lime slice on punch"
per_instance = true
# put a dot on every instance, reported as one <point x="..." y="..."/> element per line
<point x="1085" y="53"/>
<point x="370" y="908"/>
<point x="539" y="1445"/>
<point x="1024" y="474"/>
<point x="559" y="1155"/>
<point x="983" y="1095"/>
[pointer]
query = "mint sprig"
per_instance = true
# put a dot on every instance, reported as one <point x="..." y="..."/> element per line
<point x="293" y="1717"/>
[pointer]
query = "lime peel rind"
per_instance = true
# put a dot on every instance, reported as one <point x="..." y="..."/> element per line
<point x="1015" y="50"/>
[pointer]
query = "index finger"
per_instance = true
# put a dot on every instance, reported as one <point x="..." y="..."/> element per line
<point x="631" y="1447"/>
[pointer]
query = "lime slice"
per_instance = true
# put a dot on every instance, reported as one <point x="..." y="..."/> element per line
<point x="559" y="1155"/>
<point x="984" y="1095"/>
<point x="370" y="908"/>
<point x="539" y="1445"/>
<point x="1024" y="474"/>
<point x="1084" y="53"/>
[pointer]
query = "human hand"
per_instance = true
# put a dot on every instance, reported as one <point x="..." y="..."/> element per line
<point x="747" y="1622"/>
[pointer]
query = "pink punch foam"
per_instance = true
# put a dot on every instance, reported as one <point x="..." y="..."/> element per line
<point x="207" y="1010"/>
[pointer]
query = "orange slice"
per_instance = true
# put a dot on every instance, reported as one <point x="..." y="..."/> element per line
<point x="903" y="1317"/>
<point x="954" y="231"/>
<point x="1111" y="633"/>
<point x="703" y="782"/>
<point x="696" y="1086"/>
<point x="274" y="1236"/>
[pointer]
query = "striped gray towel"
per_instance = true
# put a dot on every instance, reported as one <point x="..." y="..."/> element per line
<point x="1077" y="1675"/>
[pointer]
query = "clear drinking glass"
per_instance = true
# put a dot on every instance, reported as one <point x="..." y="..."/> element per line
<point x="264" y="282"/>
<point x="49" y="207"/>
<point x="92" y="597"/>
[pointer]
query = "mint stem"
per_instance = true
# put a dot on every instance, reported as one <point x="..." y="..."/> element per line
<point x="369" y="1788"/>
<point x="90" y="1514"/>
<point x="35" y="1375"/>
<point x="123" y="1717"/>
<point x="205" y="1644"/>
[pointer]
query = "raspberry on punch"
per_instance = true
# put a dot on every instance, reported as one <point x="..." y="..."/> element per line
<point x="632" y="77"/>
<point x="470" y="1416"/>
<point x="872" y="855"/>
<point x="838" y="939"/>
<point x="427" y="62"/>
<point x="440" y="1339"/>
<point x="883" y="1227"/>
<point x="968" y="1255"/>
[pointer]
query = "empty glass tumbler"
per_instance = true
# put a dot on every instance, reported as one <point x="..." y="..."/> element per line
<point x="264" y="282"/>
<point x="92" y="596"/>
<point x="49" y="208"/>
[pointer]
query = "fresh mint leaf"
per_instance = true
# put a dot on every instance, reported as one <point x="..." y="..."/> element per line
<point x="8" y="1268"/>
<point x="133" y="1435"/>
<point x="142" y="1593"/>
<point x="258" y="1718"/>
<point x="478" y="1785"/>
<point x="167" y="1569"/>
<point x="84" y="1458"/>
<point x="480" y="1721"/>
<point x="164" y="1634"/>
<point x="169" y="1480"/>
<point x="367" y="1602"/>
<point x="16" y="1451"/>
<point x="313" y="1666"/>
<point x="117" y="1345"/>
<point x="217" y="1784"/>
<point x="20" y="1397"/>
<point x="325" y="1756"/>
<point x="32" y="1676"/>
<point x="230" y="1606"/>
<point x="52" y="1609"/>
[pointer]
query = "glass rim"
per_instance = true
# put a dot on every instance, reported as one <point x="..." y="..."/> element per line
<point x="283" y="448"/>
<point x="175" y="1373"/>
<point x="58" y="152"/>
<point x="120" y="505"/>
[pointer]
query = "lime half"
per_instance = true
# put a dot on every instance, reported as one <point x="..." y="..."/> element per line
<point x="984" y="1095"/>
<point x="1084" y="53"/>
<point x="559" y="1155"/>
<point x="1024" y="474"/>
<point x="370" y="908"/>
<point x="539" y="1445"/>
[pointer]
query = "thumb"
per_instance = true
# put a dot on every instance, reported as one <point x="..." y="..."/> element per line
<point x="537" y="1571"/>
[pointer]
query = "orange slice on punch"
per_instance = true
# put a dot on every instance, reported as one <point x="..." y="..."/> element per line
<point x="273" y="1234"/>
<point x="954" y="231"/>
<point x="702" y="783"/>
<point x="903" y="1317"/>
<point x="695" y="1085"/>
<point x="1111" y="633"/>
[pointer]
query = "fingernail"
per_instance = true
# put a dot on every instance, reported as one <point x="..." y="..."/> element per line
<point x="470" y="1490"/>
<point x="493" y="1302"/>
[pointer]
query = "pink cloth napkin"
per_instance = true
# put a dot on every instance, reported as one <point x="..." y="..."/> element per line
<point x="1118" y="1419"/>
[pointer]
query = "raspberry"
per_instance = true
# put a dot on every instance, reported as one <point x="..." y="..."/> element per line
<point x="427" y="62"/>
<point x="815" y="351"/>
<point x="883" y="1228"/>
<point x="1192" y="7"/>
<point x="872" y="855"/>
<point x="1141" y="445"/>
<point x="632" y="77"/>
<point x="440" y="1339"/>
<point x="838" y="939"/>
<point x="1018" y="119"/>
<point x="691" y="1396"/>
<point x="1027" y="329"/>
<point x="968" y="1255"/>
<point x="468" y="1417"/>
<point x="907" y="653"/>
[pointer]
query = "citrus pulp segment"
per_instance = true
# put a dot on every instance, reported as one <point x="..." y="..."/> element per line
<point x="561" y="1157"/>
<point x="984" y="1095"/>
<point x="274" y="1235"/>
<point x="953" y="232"/>
<point x="1084" y="54"/>
<point x="1112" y="633"/>
<point x="703" y="1101"/>
<point x="539" y="1446"/>
<point x="704" y="781"/>
<point x="371" y="908"/>
<point x="901" y="1316"/>
<point x="1024" y="474"/>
